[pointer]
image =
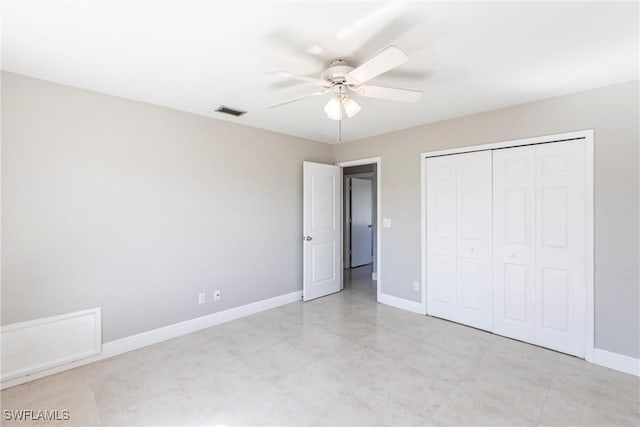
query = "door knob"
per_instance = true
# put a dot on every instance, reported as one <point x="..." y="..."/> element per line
<point x="307" y="238"/>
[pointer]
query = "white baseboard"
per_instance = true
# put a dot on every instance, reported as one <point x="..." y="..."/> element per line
<point x="412" y="306"/>
<point x="134" y="342"/>
<point x="616" y="361"/>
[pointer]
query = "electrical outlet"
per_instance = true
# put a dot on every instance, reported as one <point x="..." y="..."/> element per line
<point x="201" y="298"/>
<point x="416" y="286"/>
<point x="217" y="295"/>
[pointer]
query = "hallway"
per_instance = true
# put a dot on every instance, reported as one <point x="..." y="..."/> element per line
<point x="358" y="280"/>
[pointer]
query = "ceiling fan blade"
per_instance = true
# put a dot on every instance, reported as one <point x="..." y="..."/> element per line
<point x="372" y="21"/>
<point x="389" y="58"/>
<point x="298" y="77"/>
<point x="377" y="28"/>
<point x="289" y="101"/>
<point x="297" y="45"/>
<point x="404" y="74"/>
<point x="388" y="93"/>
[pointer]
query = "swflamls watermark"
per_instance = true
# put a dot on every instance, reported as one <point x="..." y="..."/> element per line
<point x="36" y="414"/>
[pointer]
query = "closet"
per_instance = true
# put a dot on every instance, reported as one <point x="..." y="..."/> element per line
<point x="506" y="249"/>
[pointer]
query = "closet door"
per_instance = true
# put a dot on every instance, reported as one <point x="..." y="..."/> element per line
<point x="459" y="238"/>
<point x="560" y="257"/>
<point x="442" y="298"/>
<point x="539" y="290"/>
<point x="514" y="242"/>
<point x="474" y="238"/>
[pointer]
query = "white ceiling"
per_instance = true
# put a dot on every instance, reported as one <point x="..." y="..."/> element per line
<point x="196" y="55"/>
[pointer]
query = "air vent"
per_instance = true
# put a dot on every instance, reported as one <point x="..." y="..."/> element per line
<point x="227" y="110"/>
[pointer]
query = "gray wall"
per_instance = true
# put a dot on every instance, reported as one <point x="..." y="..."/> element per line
<point x="614" y="114"/>
<point x="137" y="208"/>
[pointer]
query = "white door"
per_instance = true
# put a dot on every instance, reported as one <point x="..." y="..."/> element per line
<point x="321" y="229"/>
<point x="539" y="245"/>
<point x="459" y="238"/>
<point x="442" y="297"/>
<point x="514" y="242"/>
<point x="560" y="255"/>
<point x="361" y="222"/>
<point x="474" y="238"/>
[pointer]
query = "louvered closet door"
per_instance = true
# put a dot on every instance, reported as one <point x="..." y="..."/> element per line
<point x="514" y="242"/>
<point x="442" y="298"/>
<point x="474" y="238"/>
<point x="560" y="256"/>
<point x="459" y="238"/>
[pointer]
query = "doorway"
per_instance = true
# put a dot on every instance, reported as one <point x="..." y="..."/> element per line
<point x="324" y="228"/>
<point x="360" y="228"/>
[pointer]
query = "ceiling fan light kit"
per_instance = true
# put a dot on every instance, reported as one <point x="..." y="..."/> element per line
<point x="351" y="107"/>
<point x="339" y="102"/>
<point x="334" y="108"/>
<point x="340" y="78"/>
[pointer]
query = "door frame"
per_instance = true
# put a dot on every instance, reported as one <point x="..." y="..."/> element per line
<point x="588" y="137"/>
<point x="347" y="213"/>
<point x="359" y="162"/>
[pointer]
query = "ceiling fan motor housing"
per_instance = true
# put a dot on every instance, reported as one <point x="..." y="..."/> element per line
<point x="337" y="71"/>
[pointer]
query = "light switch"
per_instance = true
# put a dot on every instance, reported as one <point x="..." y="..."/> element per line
<point x="386" y="222"/>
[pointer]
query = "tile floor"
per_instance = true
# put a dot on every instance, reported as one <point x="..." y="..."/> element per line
<point x="339" y="360"/>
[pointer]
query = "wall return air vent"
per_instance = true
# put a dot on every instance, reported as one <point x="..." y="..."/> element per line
<point x="231" y="111"/>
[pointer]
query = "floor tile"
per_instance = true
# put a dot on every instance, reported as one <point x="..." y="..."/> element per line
<point x="79" y="402"/>
<point x="340" y="360"/>
<point x="467" y="407"/>
<point x="173" y="407"/>
<point x="278" y="361"/>
<point x="587" y="407"/>
<point x="216" y="389"/>
<point x="268" y="408"/>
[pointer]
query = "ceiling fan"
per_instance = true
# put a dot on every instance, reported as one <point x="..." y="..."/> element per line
<point x="340" y="78"/>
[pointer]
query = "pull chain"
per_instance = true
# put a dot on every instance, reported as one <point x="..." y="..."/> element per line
<point x="340" y="116"/>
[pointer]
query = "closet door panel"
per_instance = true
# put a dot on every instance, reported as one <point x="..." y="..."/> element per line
<point x="514" y="242"/>
<point x="442" y="298"/>
<point x="560" y="254"/>
<point x="474" y="238"/>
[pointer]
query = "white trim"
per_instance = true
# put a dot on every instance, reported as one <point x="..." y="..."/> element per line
<point x="404" y="304"/>
<point x="590" y="230"/>
<point x="345" y="232"/>
<point x="512" y="143"/>
<point x="423" y="235"/>
<point x="363" y="175"/>
<point x="359" y="162"/>
<point x="134" y="342"/>
<point x="589" y="210"/>
<point x="616" y="361"/>
<point x="342" y="265"/>
<point x="31" y="324"/>
<point x="378" y="163"/>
